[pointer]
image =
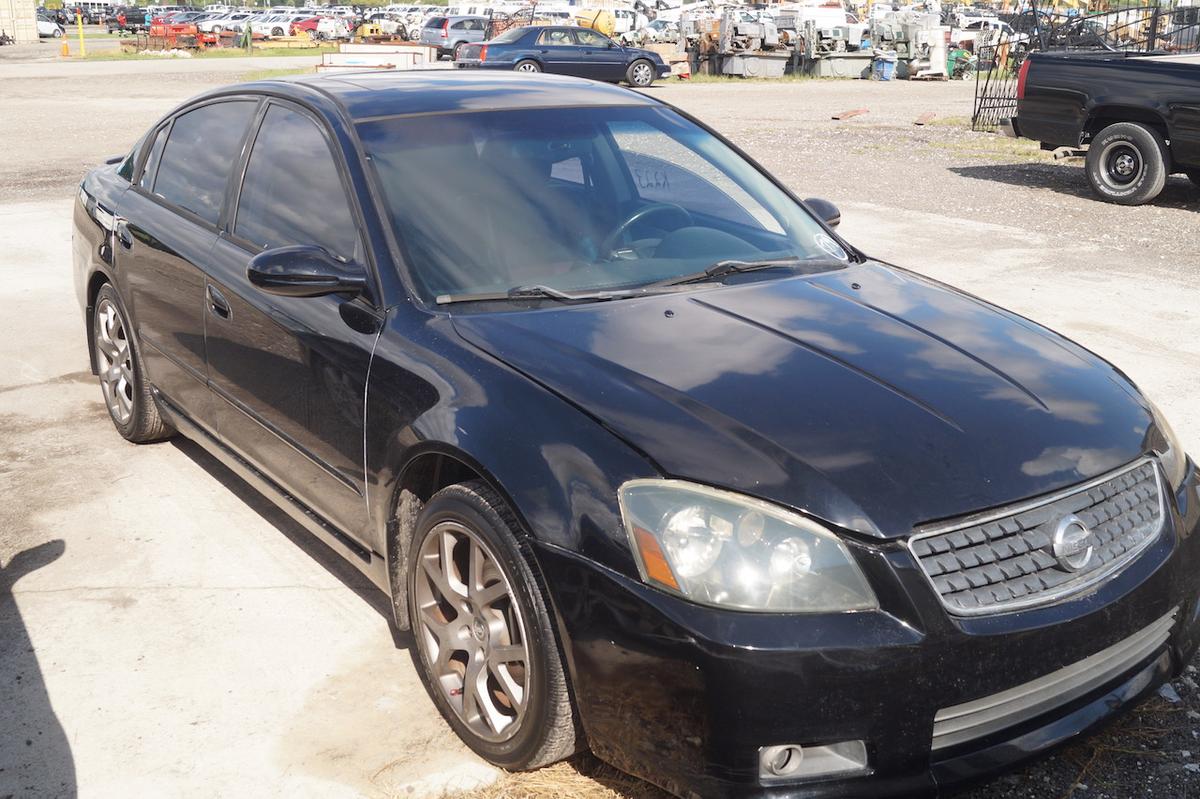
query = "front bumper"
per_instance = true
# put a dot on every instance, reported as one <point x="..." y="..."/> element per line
<point x="685" y="696"/>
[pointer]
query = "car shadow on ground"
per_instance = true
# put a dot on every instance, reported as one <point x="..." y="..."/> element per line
<point x="35" y="754"/>
<point x="1068" y="178"/>
<point x="331" y="561"/>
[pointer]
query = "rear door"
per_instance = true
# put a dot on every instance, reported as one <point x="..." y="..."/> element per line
<point x="288" y="374"/>
<point x="560" y="52"/>
<point x="166" y="233"/>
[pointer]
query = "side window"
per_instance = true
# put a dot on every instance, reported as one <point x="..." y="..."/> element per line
<point x="589" y="38"/>
<point x="460" y="25"/>
<point x="556" y="37"/>
<point x="203" y="145"/>
<point x="160" y="140"/>
<point x="292" y="192"/>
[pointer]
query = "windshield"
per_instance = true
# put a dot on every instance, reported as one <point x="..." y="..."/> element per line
<point x="577" y="199"/>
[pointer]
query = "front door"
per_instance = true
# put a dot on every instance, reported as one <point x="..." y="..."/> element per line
<point x="288" y="374"/>
<point x="600" y="56"/>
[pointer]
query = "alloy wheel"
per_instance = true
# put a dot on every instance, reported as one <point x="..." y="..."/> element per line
<point x="642" y="74"/>
<point x="472" y="633"/>
<point x="114" y="361"/>
<point x="528" y="66"/>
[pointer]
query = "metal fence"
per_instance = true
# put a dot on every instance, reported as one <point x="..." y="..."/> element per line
<point x="1000" y="51"/>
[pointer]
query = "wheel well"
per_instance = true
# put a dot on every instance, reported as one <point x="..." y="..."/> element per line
<point x="93" y="288"/>
<point x="1102" y="117"/>
<point x="423" y="477"/>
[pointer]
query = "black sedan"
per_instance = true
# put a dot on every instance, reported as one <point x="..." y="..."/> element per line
<point x="647" y="457"/>
<point x="566" y="50"/>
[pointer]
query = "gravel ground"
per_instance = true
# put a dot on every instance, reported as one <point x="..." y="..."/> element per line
<point x="63" y="117"/>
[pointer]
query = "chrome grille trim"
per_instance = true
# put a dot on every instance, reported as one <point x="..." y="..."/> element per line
<point x="1006" y="517"/>
<point x="981" y="717"/>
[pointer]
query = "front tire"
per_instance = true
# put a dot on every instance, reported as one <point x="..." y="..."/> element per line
<point x="1193" y="176"/>
<point x="118" y="362"/>
<point x="276" y="32"/>
<point x="58" y="34"/>
<point x="640" y="74"/>
<point x="485" y="644"/>
<point x="1127" y="163"/>
<point x="527" y="66"/>
<point x="458" y="48"/>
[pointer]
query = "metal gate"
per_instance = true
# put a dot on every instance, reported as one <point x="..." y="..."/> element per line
<point x="1001" y="50"/>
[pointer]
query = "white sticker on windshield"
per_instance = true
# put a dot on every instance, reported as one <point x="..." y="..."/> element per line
<point x="826" y="243"/>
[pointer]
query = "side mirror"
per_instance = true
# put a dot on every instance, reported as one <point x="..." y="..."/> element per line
<point x="825" y="210"/>
<point x="302" y="271"/>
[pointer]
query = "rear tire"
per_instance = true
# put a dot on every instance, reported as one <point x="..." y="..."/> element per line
<point x="118" y="362"/>
<point x="477" y="610"/>
<point x="640" y="74"/>
<point x="1127" y="163"/>
<point x="276" y="31"/>
<point x="528" y="65"/>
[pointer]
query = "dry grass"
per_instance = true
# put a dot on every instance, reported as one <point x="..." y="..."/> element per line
<point x="582" y="777"/>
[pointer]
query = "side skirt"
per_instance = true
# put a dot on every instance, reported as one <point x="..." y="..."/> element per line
<point x="371" y="564"/>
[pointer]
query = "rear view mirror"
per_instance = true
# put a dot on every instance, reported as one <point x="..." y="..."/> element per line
<point x="824" y="210"/>
<point x="302" y="271"/>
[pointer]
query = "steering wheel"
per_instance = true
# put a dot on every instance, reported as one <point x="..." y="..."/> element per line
<point x="609" y="246"/>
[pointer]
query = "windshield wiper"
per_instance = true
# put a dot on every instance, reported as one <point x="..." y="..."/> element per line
<point x="732" y="266"/>
<point x="540" y="291"/>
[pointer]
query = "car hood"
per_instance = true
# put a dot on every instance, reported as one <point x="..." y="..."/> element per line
<point x="868" y="397"/>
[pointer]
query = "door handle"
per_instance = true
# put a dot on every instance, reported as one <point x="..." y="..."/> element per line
<point x="217" y="302"/>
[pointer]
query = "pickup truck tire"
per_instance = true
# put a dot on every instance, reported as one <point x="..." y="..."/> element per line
<point x="1127" y="163"/>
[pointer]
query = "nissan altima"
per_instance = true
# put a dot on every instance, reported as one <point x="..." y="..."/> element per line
<point x="649" y="458"/>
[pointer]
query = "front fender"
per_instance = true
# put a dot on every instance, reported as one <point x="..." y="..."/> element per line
<point x="429" y="391"/>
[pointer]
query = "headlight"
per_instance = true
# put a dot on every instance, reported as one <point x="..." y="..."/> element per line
<point x="723" y="549"/>
<point x="1170" y="453"/>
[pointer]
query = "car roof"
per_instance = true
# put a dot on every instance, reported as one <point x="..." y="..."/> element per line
<point x="366" y="95"/>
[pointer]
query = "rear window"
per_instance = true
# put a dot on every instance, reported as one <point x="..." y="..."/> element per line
<point x="435" y="22"/>
<point x="510" y="35"/>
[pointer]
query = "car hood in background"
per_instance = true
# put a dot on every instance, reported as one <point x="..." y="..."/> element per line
<point x="868" y="397"/>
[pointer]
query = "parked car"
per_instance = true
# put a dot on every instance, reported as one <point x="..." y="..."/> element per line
<point x="1116" y="106"/>
<point x="564" y="50"/>
<point x="47" y="28"/>
<point x="271" y="25"/>
<point x="637" y="444"/>
<point x="223" y="22"/>
<point x="450" y="34"/>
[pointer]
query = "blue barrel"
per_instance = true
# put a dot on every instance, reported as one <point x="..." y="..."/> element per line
<point x="884" y="66"/>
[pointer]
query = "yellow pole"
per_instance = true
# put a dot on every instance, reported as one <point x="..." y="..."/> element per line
<point x="79" y="26"/>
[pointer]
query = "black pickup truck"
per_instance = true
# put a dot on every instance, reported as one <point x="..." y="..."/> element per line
<point x="1138" y="116"/>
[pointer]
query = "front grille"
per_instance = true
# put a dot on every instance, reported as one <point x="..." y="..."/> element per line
<point x="980" y="717"/>
<point x="1006" y="560"/>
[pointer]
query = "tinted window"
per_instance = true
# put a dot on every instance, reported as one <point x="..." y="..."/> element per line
<point x="435" y="22"/>
<point x="147" y="179"/>
<point x="292" y="193"/>
<point x="199" y="155"/>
